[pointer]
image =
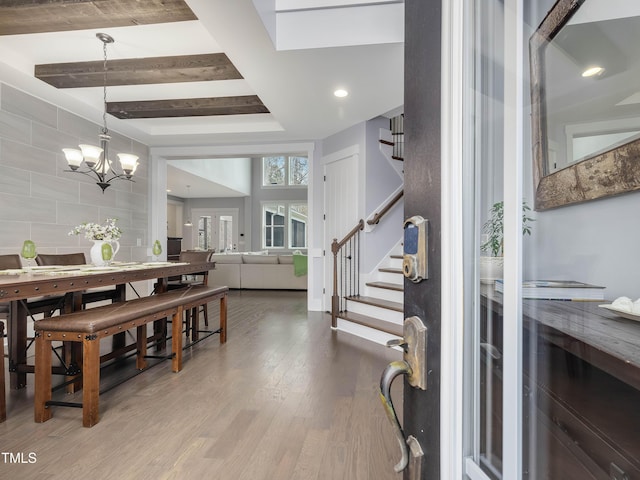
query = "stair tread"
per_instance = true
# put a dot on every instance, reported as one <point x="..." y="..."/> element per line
<point x="378" y="302"/>
<point x="398" y="287"/>
<point x="371" y="322"/>
<point x="390" y="270"/>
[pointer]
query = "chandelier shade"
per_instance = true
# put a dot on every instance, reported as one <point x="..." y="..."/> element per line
<point x="96" y="159"/>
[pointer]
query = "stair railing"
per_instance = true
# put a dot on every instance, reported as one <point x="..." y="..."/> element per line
<point x="346" y="262"/>
<point x="346" y="270"/>
<point x="376" y="218"/>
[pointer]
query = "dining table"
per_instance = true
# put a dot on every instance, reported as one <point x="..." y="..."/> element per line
<point x="18" y="286"/>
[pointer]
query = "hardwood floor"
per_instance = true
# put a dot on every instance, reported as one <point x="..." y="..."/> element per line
<point x="285" y="398"/>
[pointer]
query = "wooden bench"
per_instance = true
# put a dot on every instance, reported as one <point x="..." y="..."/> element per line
<point x="90" y="326"/>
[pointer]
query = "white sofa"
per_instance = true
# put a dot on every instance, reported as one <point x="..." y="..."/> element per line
<point x="246" y="270"/>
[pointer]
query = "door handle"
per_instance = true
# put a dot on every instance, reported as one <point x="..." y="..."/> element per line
<point x="393" y="370"/>
<point x="414" y="366"/>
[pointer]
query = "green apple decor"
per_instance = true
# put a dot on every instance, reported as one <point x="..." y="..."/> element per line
<point x="157" y="248"/>
<point x="107" y="252"/>
<point x="28" y="251"/>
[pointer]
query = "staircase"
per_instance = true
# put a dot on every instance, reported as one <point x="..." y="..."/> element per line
<point x="375" y="310"/>
<point x="378" y="313"/>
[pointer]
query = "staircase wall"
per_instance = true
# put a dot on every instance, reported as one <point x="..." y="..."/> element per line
<point x="377" y="182"/>
<point x="382" y="182"/>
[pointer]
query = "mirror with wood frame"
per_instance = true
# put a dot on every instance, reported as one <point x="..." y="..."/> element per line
<point x="585" y="95"/>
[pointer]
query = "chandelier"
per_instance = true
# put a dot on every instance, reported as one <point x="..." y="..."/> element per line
<point x="96" y="159"/>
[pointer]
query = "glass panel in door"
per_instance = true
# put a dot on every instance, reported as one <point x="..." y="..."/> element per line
<point x="578" y="363"/>
<point x="225" y="232"/>
<point x="483" y="200"/>
<point x="204" y="232"/>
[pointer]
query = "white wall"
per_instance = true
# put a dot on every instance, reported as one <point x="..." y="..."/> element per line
<point x="594" y="242"/>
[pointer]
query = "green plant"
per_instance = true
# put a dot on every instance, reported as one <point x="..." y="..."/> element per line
<point x="494" y="228"/>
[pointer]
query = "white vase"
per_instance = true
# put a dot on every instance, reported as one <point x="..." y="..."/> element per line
<point x="491" y="268"/>
<point x="96" y="251"/>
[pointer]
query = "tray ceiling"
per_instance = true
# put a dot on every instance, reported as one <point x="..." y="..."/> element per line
<point x="212" y="61"/>
<point x="37" y="16"/>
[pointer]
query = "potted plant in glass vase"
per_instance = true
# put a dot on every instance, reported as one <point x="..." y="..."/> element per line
<point x="492" y="262"/>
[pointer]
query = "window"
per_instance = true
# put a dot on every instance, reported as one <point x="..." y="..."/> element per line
<point x="285" y="171"/>
<point x="273" y="170"/>
<point x="274" y="226"/>
<point x="284" y="222"/>
<point x="298" y="225"/>
<point x="298" y="171"/>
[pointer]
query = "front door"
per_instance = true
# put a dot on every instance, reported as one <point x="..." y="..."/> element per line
<point x="520" y="382"/>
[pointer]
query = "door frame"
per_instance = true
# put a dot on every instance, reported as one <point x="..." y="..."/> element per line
<point x="453" y="131"/>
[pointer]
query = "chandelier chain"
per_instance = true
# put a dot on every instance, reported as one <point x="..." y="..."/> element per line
<point x="104" y="88"/>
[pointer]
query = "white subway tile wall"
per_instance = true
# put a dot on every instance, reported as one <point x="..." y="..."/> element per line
<point x="40" y="201"/>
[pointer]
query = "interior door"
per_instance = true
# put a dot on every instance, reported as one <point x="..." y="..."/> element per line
<point x="340" y="207"/>
<point x="217" y="229"/>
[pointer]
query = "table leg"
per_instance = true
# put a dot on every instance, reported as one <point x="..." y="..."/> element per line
<point x="119" y="340"/>
<point x="160" y="326"/>
<point x="176" y="340"/>
<point x="223" y="319"/>
<point x="17" y="334"/>
<point x="72" y="351"/>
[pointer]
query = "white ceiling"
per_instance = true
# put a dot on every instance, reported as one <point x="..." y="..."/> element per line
<point x="296" y="85"/>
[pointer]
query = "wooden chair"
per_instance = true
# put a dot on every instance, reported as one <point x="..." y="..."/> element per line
<point x="116" y="294"/>
<point x="45" y="304"/>
<point x="200" y="278"/>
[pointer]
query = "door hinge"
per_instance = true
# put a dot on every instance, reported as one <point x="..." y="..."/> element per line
<point x="325" y="178"/>
<point x="324" y="216"/>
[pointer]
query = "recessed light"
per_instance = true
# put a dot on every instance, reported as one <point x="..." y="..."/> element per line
<point x="168" y="190"/>
<point x="340" y="93"/>
<point x="593" y="71"/>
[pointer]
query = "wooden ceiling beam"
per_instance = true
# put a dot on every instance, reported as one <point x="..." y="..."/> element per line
<point x="188" y="107"/>
<point x="139" y="71"/>
<point x="36" y="16"/>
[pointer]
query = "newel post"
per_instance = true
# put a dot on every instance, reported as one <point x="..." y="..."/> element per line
<point x="335" y="303"/>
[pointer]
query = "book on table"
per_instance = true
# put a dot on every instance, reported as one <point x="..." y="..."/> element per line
<point x="557" y="290"/>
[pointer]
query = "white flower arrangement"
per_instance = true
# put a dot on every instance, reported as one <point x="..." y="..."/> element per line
<point x="94" y="231"/>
